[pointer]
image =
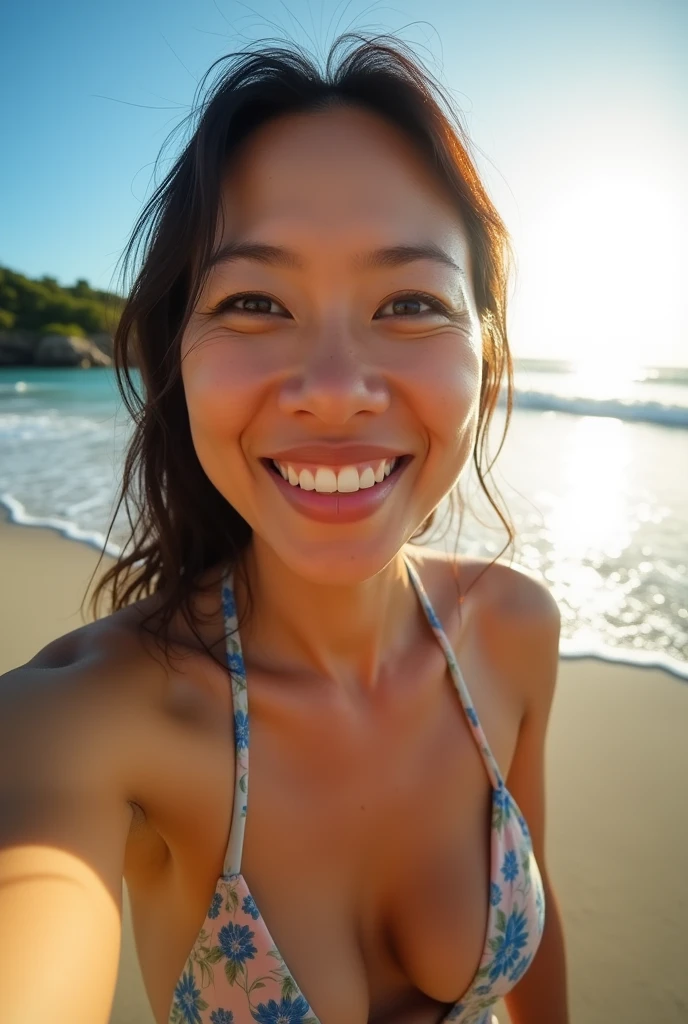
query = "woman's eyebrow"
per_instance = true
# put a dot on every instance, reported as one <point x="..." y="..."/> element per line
<point x="280" y="256"/>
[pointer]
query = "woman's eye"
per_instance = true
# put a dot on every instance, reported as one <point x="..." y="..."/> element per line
<point x="250" y="303"/>
<point x="405" y="306"/>
<point x="408" y="305"/>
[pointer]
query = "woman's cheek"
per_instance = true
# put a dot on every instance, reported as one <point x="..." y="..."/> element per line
<point x="449" y="390"/>
<point x="216" y="417"/>
<point x="217" y="421"/>
<point x="218" y="387"/>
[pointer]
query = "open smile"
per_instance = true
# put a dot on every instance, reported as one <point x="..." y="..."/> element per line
<point x="332" y="494"/>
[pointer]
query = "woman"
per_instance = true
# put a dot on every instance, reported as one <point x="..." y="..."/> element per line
<point x="319" y="321"/>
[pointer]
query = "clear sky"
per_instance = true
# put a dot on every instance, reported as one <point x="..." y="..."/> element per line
<point x="578" y="111"/>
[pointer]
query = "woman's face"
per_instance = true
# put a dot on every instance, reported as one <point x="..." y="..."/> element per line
<point x="317" y="354"/>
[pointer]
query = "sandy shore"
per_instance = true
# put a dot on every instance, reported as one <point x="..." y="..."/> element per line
<point x="617" y="809"/>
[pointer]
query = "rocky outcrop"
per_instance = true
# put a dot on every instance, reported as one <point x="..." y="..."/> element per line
<point x="59" y="350"/>
<point x="25" y="348"/>
<point x="17" y="348"/>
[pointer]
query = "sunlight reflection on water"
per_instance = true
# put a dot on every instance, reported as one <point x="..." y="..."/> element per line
<point x="591" y="510"/>
<point x="583" y="495"/>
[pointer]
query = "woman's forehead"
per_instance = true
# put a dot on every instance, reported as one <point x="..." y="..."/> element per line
<point x="325" y="137"/>
<point x="332" y="176"/>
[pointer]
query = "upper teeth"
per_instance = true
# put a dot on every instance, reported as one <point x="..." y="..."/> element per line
<point x="326" y="480"/>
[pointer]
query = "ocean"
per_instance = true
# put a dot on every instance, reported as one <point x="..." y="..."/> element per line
<point x="593" y="474"/>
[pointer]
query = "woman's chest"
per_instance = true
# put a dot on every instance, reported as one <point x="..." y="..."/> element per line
<point x="366" y="850"/>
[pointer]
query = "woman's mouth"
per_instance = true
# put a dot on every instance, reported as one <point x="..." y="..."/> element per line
<point x="337" y="494"/>
<point x="330" y="479"/>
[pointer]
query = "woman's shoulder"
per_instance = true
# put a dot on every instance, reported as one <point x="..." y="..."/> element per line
<point x="111" y="697"/>
<point x="108" y="658"/>
<point x="65" y="725"/>
<point x="112" y="678"/>
<point x="126" y="652"/>
<point x="510" y="615"/>
<point x="497" y="591"/>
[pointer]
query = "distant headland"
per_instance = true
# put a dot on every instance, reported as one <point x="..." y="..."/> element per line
<point x="43" y="323"/>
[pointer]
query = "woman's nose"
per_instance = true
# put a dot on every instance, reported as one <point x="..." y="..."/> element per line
<point x="334" y="382"/>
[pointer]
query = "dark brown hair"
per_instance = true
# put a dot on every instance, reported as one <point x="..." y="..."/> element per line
<point x="180" y="525"/>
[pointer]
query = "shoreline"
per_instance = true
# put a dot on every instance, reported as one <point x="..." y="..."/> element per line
<point x="617" y="761"/>
<point x="12" y="512"/>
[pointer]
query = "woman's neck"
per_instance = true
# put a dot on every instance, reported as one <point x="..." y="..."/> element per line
<point x="344" y="634"/>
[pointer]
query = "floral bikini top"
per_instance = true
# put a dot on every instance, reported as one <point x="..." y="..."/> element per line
<point x="235" y="973"/>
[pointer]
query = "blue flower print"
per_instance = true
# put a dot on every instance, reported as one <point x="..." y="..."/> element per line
<point x="249" y="907"/>
<point x="500" y="796"/>
<point x="524" y="825"/>
<point x="510" y="866"/>
<point x="432" y="617"/>
<point x="215" y="905"/>
<point x="222" y="1017"/>
<point x="235" y="942"/>
<point x="455" y="1012"/>
<point x="187" y="997"/>
<point x="228" y="603"/>
<point x="472" y="716"/>
<point x="520" y="968"/>
<point x="284" y="1012"/>
<point x="507" y="947"/>
<point x="495" y="894"/>
<point x="236" y="664"/>
<point x="241" y="729"/>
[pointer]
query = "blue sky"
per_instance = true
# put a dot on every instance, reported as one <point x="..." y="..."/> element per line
<point x="578" y="112"/>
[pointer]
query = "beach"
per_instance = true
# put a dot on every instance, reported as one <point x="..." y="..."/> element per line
<point x="617" y="764"/>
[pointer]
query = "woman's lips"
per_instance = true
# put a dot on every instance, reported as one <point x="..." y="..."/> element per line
<point x="337" y="507"/>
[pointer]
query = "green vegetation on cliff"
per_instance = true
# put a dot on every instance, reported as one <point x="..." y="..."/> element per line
<point x="36" y="305"/>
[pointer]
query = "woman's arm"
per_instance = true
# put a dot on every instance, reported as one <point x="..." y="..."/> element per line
<point x="64" y="823"/>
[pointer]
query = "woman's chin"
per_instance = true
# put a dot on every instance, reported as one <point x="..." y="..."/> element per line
<point x="336" y="563"/>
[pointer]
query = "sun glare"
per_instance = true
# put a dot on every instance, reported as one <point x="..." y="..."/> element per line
<point x="605" y="377"/>
<point x="599" y="273"/>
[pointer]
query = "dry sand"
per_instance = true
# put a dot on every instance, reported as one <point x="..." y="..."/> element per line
<point x="617" y="764"/>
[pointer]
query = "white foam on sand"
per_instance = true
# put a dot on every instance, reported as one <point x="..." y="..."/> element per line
<point x="568" y="649"/>
<point x="66" y="527"/>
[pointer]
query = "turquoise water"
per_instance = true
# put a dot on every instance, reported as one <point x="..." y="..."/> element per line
<point x="595" y="485"/>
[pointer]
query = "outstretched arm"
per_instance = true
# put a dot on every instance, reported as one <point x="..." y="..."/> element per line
<point x="64" y="821"/>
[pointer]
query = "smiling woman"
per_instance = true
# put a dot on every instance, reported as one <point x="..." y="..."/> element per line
<point x="405" y="206"/>
<point x="353" y="287"/>
<point x="319" y="319"/>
